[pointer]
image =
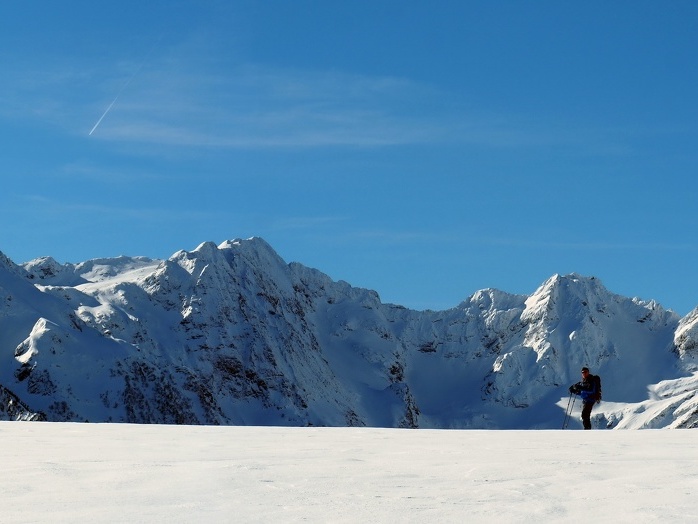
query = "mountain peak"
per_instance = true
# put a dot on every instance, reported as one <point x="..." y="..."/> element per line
<point x="9" y="265"/>
<point x="254" y="249"/>
<point x="206" y="248"/>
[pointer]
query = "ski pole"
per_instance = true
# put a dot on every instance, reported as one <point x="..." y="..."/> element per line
<point x="568" y="412"/>
<point x="574" y="399"/>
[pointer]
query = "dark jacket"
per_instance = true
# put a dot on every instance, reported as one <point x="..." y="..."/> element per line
<point x="585" y="389"/>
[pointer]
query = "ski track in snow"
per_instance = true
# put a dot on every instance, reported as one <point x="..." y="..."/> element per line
<point x="69" y="472"/>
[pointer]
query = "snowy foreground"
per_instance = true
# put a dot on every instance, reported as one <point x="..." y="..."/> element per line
<point x="68" y="472"/>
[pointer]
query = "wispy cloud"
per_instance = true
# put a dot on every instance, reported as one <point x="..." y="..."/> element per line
<point x="253" y="107"/>
<point x="591" y="246"/>
<point x="178" y="100"/>
<point x="63" y="208"/>
<point x="84" y="170"/>
<point x="307" y="222"/>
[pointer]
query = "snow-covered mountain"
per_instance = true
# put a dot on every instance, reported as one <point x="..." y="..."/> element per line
<point x="232" y="334"/>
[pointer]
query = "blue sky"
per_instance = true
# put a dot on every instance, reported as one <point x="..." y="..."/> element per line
<point x="422" y="149"/>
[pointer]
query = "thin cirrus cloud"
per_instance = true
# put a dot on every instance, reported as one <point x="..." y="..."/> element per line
<point x="177" y="103"/>
<point x="172" y="104"/>
<point x="596" y="246"/>
<point x="257" y="108"/>
<point x="56" y="207"/>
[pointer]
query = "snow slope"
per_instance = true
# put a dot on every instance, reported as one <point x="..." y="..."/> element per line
<point x="67" y="472"/>
<point x="232" y="334"/>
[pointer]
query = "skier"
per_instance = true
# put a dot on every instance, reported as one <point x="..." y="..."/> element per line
<point x="587" y="389"/>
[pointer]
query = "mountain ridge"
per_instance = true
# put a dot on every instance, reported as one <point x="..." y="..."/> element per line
<point x="232" y="334"/>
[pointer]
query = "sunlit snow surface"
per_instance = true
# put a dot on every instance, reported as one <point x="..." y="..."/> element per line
<point x="68" y="472"/>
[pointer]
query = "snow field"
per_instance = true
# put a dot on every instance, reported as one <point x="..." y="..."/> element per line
<point x="67" y="472"/>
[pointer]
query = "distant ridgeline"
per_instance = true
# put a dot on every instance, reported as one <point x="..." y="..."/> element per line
<point x="232" y="334"/>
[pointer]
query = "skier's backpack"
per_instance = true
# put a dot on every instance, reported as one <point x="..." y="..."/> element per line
<point x="597" y="387"/>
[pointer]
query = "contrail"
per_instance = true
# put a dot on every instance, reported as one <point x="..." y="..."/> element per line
<point x="124" y="87"/>
<point x="108" y="108"/>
